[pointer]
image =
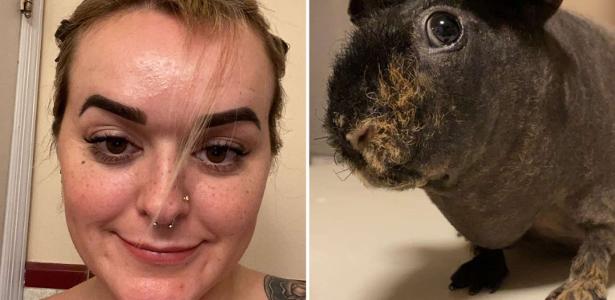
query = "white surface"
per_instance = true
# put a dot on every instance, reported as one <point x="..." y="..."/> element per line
<point x="376" y="244"/>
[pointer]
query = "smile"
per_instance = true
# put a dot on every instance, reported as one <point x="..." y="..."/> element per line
<point x="152" y="255"/>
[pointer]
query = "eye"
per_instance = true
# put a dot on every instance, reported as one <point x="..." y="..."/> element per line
<point x="221" y="155"/>
<point x="443" y="29"/>
<point x="218" y="154"/>
<point x="110" y="149"/>
<point x="116" y="145"/>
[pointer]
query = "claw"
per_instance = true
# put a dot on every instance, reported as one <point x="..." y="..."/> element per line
<point x="485" y="271"/>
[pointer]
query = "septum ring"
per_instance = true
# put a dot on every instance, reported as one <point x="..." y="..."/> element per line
<point x="171" y="225"/>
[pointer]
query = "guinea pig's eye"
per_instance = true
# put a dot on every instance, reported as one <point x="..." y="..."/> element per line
<point x="443" y="29"/>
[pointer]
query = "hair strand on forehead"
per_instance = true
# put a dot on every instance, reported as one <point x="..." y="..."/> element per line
<point x="219" y="16"/>
<point x="220" y="19"/>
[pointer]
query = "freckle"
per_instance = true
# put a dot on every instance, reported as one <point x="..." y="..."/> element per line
<point x="83" y="162"/>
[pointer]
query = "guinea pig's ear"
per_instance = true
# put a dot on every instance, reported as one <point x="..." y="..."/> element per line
<point x="534" y="12"/>
<point x="361" y="9"/>
<point x="541" y="10"/>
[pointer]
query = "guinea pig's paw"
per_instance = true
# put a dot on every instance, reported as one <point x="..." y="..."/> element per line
<point x="579" y="289"/>
<point x="486" y="270"/>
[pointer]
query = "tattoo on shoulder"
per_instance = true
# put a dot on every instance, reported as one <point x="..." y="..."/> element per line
<point x="284" y="289"/>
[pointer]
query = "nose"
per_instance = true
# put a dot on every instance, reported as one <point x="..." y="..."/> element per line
<point x="360" y="136"/>
<point x="163" y="199"/>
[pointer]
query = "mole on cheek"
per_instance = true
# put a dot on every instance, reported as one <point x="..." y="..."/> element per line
<point x="83" y="162"/>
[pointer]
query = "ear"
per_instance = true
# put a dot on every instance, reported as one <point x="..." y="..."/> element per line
<point x="533" y="13"/>
<point x="539" y="11"/>
<point x="358" y="10"/>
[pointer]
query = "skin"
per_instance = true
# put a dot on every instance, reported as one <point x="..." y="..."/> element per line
<point x="141" y="59"/>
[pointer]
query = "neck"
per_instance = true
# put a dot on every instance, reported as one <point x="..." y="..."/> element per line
<point x="235" y="284"/>
<point x="228" y="287"/>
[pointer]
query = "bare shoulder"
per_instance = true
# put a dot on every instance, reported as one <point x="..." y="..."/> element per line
<point x="277" y="288"/>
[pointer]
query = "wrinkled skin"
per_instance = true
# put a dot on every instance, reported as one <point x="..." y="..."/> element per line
<point x="509" y="129"/>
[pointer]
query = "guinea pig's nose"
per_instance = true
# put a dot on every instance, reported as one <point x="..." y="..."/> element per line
<point x="360" y="136"/>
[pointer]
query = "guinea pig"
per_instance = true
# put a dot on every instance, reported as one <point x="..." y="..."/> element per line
<point x="502" y="111"/>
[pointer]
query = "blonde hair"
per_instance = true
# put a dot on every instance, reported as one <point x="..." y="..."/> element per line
<point x="216" y="13"/>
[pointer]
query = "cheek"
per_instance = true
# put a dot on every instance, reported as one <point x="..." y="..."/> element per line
<point x="229" y="205"/>
<point x="93" y="195"/>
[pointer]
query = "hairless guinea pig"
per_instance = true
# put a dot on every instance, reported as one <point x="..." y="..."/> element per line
<point x="502" y="111"/>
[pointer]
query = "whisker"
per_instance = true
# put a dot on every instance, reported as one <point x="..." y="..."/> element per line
<point x="337" y="174"/>
<point x="343" y="170"/>
<point x="321" y="138"/>
<point x="337" y="157"/>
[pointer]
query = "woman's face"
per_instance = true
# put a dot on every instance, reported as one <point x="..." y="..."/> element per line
<point x="139" y="83"/>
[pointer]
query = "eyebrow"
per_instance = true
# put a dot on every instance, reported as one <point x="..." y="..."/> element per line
<point x="136" y="115"/>
<point x="229" y="116"/>
<point x="127" y="112"/>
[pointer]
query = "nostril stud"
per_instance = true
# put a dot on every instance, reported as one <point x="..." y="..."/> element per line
<point x="359" y="138"/>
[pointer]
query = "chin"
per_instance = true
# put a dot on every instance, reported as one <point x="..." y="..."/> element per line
<point x="126" y="276"/>
<point x="411" y="180"/>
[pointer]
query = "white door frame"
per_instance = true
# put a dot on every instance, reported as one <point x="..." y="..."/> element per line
<point x="15" y="235"/>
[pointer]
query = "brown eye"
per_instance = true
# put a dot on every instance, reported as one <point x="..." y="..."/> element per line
<point x="221" y="155"/>
<point x="116" y="145"/>
<point x="216" y="154"/>
<point x="112" y="150"/>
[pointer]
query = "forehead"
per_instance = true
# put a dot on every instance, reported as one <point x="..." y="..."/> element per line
<point x="148" y="59"/>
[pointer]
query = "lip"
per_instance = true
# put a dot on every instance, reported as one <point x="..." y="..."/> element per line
<point x="172" y="255"/>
